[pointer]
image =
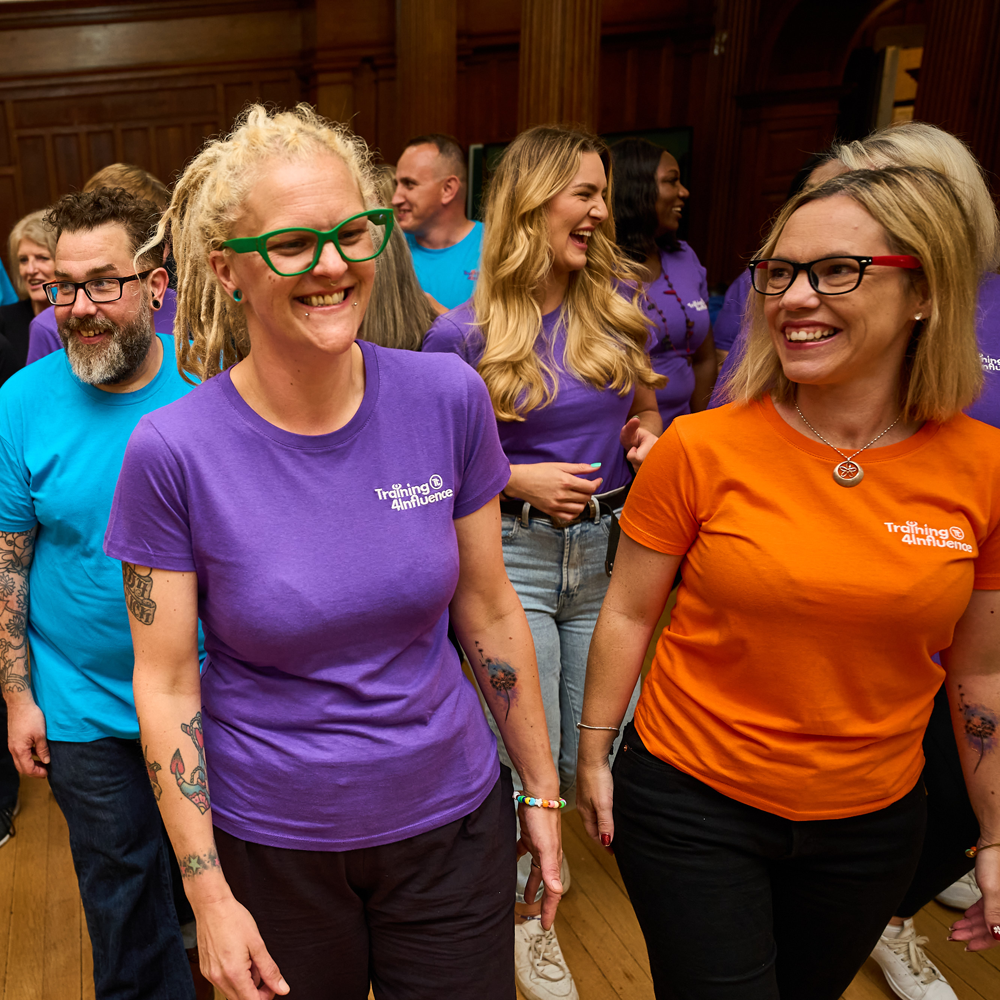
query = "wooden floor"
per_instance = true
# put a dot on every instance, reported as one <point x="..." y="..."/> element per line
<point x="45" y="951"/>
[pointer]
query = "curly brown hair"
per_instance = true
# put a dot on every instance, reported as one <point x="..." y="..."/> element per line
<point x="85" y="210"/>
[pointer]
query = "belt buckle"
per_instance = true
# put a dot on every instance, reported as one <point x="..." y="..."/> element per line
<point x="595" y="505"/>
<point x="525" y="515"/>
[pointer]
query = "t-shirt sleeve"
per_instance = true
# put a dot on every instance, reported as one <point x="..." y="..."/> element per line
<point x="486" y="470"/>
<point x="149" y="523"/>
<point x="17" y="510"/>
<point x="988" y="561"/>
<point x="444" y="337"/>
<point x="660" y="510"/>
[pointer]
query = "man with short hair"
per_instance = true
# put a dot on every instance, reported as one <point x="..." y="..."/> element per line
<point x="431" y="182"/>
<point x="64" y="425"/>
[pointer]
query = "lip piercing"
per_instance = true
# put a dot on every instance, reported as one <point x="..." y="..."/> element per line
<point x="355" y="303"/>
<point x="307" y="315"/>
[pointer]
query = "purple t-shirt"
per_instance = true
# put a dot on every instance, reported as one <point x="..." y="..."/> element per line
<point x="670" y="309"/>
<point x="727" y="324"/>
<point x="43" y="332"/>
<point x="335" y="711"/>
<point x="582" y="424"/>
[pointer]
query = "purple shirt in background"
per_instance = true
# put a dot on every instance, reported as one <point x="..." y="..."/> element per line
<point x="582" y="424"/>
<point x="43" y="333"/>
<point x="335" y="710"/>
<point x="672" y="352"/>
<point x="730" y="318"/>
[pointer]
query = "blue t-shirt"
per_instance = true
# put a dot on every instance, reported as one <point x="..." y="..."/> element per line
<point x="8" y="294"/>
<point x="450" y="274"/>
<point x="61" y="449"/>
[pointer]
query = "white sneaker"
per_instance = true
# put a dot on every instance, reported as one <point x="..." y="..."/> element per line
<point x="539" y="966"/>
<point x="908" y="971"/>
<point x="962" y="894"/>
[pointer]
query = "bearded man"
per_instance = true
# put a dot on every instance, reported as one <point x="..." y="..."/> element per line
<point x="66" y="657"/>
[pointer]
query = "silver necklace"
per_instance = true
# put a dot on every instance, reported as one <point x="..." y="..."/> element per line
<point x="847" y="473"/>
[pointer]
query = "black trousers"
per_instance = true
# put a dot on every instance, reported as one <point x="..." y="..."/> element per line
<point x="951" y="824"/>
<point x="739" y="904"/>
<point x="426" y="917"/>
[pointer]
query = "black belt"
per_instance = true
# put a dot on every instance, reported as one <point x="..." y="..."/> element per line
<point x="598" y="505"/>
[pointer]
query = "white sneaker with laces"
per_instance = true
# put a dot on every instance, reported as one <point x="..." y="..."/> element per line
<point x="539" y="966"/>
<point x="908" y="971"/>
<point x="962" y="894"/>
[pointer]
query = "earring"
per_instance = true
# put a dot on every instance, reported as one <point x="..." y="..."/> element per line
<point x="237" y="296"/>
<point x="156" y="303"/>
<point x="919" y="316"/>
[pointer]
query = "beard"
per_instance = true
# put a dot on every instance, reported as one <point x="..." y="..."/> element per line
<point x="112" y="360"/>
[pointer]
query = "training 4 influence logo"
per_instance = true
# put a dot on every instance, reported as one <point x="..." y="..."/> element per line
<point x="912" y="533"/>
<point x="407" y="497"/>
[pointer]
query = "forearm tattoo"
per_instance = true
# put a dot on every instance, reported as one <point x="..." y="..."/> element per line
<point x="196" y="864"/>
<point x="196" y="787"/>
<point x="982" y="727"/>
<point x="152" y="767"/>
<point x="138" y="587"/>
<point x="17" y="549"/>
<point x="502" y="676"/>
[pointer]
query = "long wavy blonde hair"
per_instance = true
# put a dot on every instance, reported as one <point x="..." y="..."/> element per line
<point x="210" y="329"/>
<point x="921" y="214"/>
<point x="606" y="334"/>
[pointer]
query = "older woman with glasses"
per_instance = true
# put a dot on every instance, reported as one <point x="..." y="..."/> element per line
<point x="837" y="525"/>
<point x="325" y="507"/>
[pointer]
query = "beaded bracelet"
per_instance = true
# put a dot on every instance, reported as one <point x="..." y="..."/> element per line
<point x="971" y="852"/>
<point x="526" y="800"/>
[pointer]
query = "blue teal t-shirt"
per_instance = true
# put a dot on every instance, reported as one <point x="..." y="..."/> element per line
<point x="450" y="274"/>
<point x="61" y="449"/>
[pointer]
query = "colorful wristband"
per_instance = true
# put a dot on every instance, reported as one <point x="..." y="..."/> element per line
<point x="526" y="800"/>
<point x="973" y="851"/>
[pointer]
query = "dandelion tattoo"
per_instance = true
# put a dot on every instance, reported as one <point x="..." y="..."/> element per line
<point x="503" y="677"/>
<point x="982" y="727"/>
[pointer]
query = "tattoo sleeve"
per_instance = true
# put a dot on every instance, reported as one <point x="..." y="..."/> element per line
<point x="194" y="788"/>
<point x="16" y="551"/>
<point x="502" y="676"/>
<point x="981" y="725"/>
<point x="138" y="587"/>
<point x="196" y="864"/>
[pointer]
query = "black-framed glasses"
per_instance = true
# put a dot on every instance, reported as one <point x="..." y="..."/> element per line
<point x="828" y="275"/>
<point x="107" y="289"/>
<point x="289" y="252"/>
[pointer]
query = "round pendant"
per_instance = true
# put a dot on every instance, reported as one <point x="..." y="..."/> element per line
<point x="848" y="473"/>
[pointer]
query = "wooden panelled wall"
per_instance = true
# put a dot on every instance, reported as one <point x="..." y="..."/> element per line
<point x="761" y="85"/>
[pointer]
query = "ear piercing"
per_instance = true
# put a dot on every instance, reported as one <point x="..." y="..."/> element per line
<point x="156" y="303"/>
<point x="237" y="296"/>
<point x="919" y="316"/>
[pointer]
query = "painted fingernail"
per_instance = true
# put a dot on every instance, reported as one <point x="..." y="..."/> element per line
<point x="606" y="842"/>
<point x="995" y="931"/>
<point x="595" y="465"/>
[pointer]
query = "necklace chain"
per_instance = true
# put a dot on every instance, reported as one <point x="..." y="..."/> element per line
<point x="846" y="458"/>
<point x="688" y="322"/>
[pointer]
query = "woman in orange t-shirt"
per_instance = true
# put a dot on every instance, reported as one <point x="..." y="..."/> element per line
<point x="837" y="526"/>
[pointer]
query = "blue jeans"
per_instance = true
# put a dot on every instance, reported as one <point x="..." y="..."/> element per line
<point x="10" y="780"/>
<point x="122" y="860"/>
<point x="558" y="573"/>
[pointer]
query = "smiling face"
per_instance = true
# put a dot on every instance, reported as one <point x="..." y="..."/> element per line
<point x="670" y="195"/>
<point x="35" y="266"/>
<point x="420" y="176"/>
<point x="574" y="213"/>
<point x="836" y="339"/>
<point x="323" y="308"/>
<point x="107" y="342"/>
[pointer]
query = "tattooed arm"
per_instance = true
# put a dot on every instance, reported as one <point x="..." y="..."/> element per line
<point x="25" y="721"/>
<point x="490" y="624"/>
<point x="973" y="665"/>
<point x="163" y="614"/>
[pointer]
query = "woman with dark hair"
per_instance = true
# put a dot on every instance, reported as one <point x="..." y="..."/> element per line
<point x="648" y="202"/>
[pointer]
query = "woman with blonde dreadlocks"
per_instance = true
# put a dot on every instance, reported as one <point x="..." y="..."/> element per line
<point x="324" y="505"/>
<point x="564" y="358"/>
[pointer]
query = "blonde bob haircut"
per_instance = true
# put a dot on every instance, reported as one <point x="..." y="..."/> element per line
<point x="921" y="214"/>
<point x="32" y="227"/>
<point x="210" y="330"/>
<point x="606" y="334"/>
<point x="918" y="144"/>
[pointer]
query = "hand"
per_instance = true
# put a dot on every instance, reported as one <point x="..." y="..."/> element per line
<point x="541" y="837"/>
<point x="594" y="798"/>
<point x="435" y="305"/>
<point x="232" y="953"/>
<point x="636" y="441"/>
<point x="26" y="733"/>
<point x="976" y="928"/>
<point x="554" y="487"/>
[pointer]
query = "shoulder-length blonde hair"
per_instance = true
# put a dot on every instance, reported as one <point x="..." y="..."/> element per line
<point x="210" y="330"/>
<point x="606" y="334"/>
<point x="32" y="227"/>
<point x="919" y="144"/>
<point x="921" y="214"/>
